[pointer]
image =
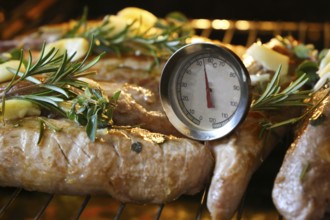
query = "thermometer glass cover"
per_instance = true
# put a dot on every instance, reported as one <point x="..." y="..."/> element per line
<point x="205" y="91"/>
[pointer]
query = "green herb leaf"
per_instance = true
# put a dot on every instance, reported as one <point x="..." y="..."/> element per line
<point x="274" y="98"/>
<point x="93" y="109"/>
<point x="309" y="68"/>
<point x="302" y="51"/>
<point x="171" y="35"/>
<point x="43" y="123"/>
<point x="52" y="80"/>
<point x="306" y="167"/>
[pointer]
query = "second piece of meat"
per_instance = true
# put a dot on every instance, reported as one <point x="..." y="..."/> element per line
<point x="302" y="187"/>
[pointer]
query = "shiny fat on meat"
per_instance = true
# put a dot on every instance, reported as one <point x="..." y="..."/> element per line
<point x="132" y="165"/>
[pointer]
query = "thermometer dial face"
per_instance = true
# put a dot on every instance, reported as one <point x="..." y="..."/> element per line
<point x="205" y="91"/>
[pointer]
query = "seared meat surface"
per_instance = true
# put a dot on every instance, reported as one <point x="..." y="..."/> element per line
<point x="302" y="186"/>
<point x="139" y="107"/>
<point x="237" y="157"/>
<point x="133" y="165"/>
<point x="137" y="70"/>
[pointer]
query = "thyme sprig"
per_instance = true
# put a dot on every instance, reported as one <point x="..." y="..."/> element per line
<point x="53" y="80"/>
<point x="87" y="108"/>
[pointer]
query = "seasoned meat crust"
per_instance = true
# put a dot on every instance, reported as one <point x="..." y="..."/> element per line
<point x="302" y="186"/>
<point x="139" y="107"/>
<point x="132" y="165"/>
<point x="237" y="157"/>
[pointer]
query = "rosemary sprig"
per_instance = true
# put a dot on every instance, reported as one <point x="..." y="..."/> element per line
<point x="273" y="98"/>
<point x="171" y="34"/>
<point x="52" y="80"/>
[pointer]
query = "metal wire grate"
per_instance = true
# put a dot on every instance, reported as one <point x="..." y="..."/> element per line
<point x="243" y="32"/>
<point x="20" y="204"/>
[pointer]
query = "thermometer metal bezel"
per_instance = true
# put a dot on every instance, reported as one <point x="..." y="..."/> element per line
<point x="170" y="103"/>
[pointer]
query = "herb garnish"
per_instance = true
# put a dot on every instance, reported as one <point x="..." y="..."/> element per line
<point x="309" y="68"/>
<point x="305" y="168"/>
<point x="53" y="80"/>
<point x="93" y="110"/>
<point x="43" y="123"/>
<point x="273" y="98"/>
<point x="169" y="37"/>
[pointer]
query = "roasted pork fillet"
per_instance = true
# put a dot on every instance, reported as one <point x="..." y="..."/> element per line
<point x="139" y="107"/>
<point x="302" y="186"/>
<point x="241" y="153"/>
<point x="237" y="158"/>
<point x="133" y="165"/>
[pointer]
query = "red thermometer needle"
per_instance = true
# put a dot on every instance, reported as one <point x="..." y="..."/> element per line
<point x="208" y="90"/>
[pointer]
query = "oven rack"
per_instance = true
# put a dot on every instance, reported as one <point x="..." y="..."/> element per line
<point x="243" y="32"/>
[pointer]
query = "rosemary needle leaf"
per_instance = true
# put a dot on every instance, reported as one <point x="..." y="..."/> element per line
<point x="78" y="25"/>
<point x="56" y="89"/>
<point x="29" y="63"/>
<point x="23" y="76"/>
<point x="43" y="123"/>
<point x="270" y="87"/>
<point x="41" y="131"/>
<point x="91" y="63"/>
<point x="8" y="86"/>
<point x="298" y="83"/>
<point x="49" y="124"/>
<point x="48" y="99"/>
<point x="274" y="98"/>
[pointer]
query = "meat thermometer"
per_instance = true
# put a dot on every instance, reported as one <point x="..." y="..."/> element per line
<point x="204" y="90"/>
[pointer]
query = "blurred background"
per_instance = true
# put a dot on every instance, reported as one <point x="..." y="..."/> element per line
<point x="19" y="16"/>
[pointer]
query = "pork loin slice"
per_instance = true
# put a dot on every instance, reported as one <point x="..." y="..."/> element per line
<point x="137" y="70"/>
<point x="302" y="186"/>
<point x="139" y="107"/>
<point x="132" y="165"/>
<point x="237" y="157"/>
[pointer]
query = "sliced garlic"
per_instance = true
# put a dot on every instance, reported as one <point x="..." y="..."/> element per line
<point x="320" y="83"/>
<point x="16" y="108"/>
<point x="259" y="78"/>
<point x="5" y="74"/>
<point x="144" y="20"/>
<point x="325" y="61"/>
<point x="269" y="58"/>
<point x="116" y="24"/>
<point x="323" y="72"/>
<point x="79" y="46"/>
